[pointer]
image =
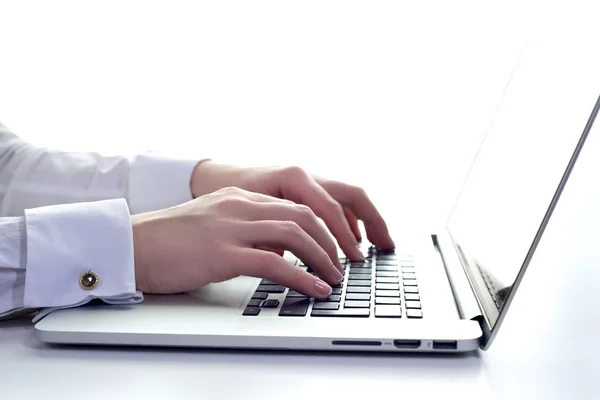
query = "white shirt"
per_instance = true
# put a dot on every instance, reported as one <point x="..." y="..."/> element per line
<point x="64" y="214"/>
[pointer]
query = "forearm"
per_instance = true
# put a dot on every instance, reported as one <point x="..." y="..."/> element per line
<point x="32" y="177"/>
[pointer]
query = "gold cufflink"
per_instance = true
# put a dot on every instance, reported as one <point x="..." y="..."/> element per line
<point x="88" y="280"/>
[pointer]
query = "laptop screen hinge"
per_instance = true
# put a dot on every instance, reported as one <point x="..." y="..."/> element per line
<point x="465" y="299"/>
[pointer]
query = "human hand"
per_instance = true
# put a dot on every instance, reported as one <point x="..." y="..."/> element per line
<point x="223" y="235"/>
<point x="338" y="204"/>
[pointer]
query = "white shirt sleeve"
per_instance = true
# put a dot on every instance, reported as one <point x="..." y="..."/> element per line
<point x="63" y="215"/>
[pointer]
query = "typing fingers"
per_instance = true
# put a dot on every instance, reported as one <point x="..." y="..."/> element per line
<point x="290" y="236"/>
<point x="357" y="201"/>
<point x="305" y="218"/>
<point x="263" y="264"/>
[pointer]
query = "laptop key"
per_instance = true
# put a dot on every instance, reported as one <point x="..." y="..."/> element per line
<point x="331" y="298"/>
<point x="358" y="289"/>
<point x="387" y="300"/>
<point x="251" y="311"/>
<point x="336" y="290"/>
<point x="271" y="288"/>
<point x="381" y="279"/>
<point x="260" y="295"/>
<point x="353" y="276"/>
<point x="387" y="293"/>
<point x="388" y="311"/>
<point x="386" y="268"/>
<point x="294" y="307"/>
<point x="254" y="303"/>
<point x="360" y="265"/>
<point x="326" y="306"/>
<point x="273" y="303"/>
<point x="411" y="296"/>
<point x="360" y="271"/>
<point x="413" y="304"/>
<point x="414" y="313"/>
<point x="409" y="282"/>
<point x="346" y="312"/>
<point x="293" y="293"/>
<point x="357" y="304"/>
<point x="361" y="282"/>
<point x="411" y="289"/>
<point x="386" y="262"/>
<point x="386" y="256"/>
<point x="268" y="282"/>
<point x="358" y="296"/>
<point x="386" y="252"/>
<point x="387" y="286"/>
<point x="386" y="274"/>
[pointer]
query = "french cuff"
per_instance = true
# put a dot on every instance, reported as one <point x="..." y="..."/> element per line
<point x="77" y="253"/>
<point x="157" y="182"/>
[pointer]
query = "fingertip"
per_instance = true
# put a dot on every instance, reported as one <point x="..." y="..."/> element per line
<point x="358" y="254"/>
<point x="338" y="265"/>
<point x="323" y="289"/>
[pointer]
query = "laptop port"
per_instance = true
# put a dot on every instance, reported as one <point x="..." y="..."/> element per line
<point x="356" y="342"/>
<point x="444" y="344"/>
<point x="407" y="344"/>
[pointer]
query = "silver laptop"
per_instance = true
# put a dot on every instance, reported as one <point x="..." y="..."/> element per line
<point x="445" y="291"/>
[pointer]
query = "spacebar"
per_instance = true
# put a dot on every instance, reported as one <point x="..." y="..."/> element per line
<point x="356" y="312"/>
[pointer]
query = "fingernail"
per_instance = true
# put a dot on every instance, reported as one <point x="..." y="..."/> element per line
<point x="359" y="252"/>
<point x="323" y="288"/>
<point x="339" y="266"/>
<point x="338" y="276"/>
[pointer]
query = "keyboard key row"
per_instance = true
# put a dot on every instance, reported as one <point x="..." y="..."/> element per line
<point x="345" y="312"/>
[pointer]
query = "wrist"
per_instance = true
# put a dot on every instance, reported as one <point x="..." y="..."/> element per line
<point x="209" y="176"/>
<point x="137" y="224"/>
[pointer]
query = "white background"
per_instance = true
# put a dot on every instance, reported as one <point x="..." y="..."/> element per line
<point x="346" y="89"/>
<point x="402" y="91"/>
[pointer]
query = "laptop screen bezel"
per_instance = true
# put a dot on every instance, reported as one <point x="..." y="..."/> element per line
<point x="484" y="298"/>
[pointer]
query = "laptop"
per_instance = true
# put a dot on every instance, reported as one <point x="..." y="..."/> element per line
<point x="443" y="292"/>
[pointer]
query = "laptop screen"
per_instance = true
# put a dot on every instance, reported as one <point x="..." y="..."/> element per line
<point x="521" y="161"/>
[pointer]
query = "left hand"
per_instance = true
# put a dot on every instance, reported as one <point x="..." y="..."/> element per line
<point x="338" y="204"/>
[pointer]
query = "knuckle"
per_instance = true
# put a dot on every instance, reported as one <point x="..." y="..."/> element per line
<point x="232" y="190"/>
<point x="230" y="203"/>
<point x="268" y="262"/>
<point x="295" y="173"/>
<point x="357" y="191"/>
<point x="296" y="278"/>
<point x="305" y="213"/>
<point x="291" y="229"/>
<point x="335" y="208"/>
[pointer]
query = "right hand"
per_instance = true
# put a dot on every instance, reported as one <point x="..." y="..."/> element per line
<point x="225" y="234"/>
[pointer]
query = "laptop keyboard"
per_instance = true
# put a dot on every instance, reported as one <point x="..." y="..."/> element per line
<point x="384" y="286"/>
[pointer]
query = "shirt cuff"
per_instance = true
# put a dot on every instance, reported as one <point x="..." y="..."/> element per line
<point x="157" y="182"/>
<point x="65" y="242"/>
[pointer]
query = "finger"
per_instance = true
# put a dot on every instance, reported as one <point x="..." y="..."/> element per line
<point x="353" y="222"/>
<point x="303" y="189"/>
<point x="358" y="202"/>
<point x="263" y="264"/>
<point x="276" y="251"/>
<point x="304" y="217"/>
<point x="288" y="235"/>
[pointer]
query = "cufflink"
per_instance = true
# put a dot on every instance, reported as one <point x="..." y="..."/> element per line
<point x="88" y="280"/>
